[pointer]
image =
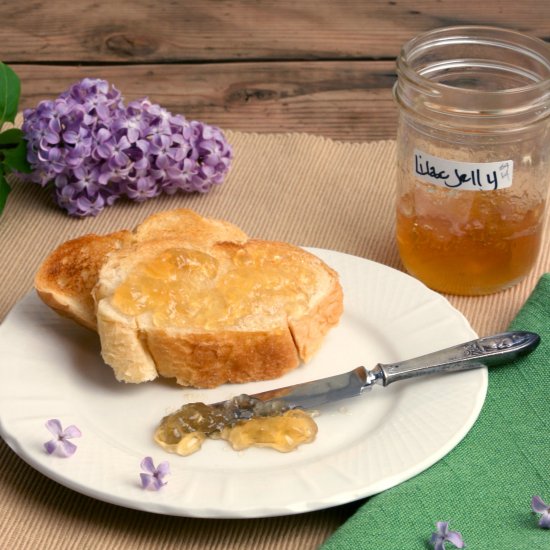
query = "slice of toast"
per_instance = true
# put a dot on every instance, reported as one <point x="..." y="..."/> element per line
<point x="67" y="276"/>
<point x="210" y="314"/>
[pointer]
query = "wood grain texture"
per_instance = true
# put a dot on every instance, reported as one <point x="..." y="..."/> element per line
<point x="343" y="100"/>
<point x="168" y="31"/>
<point x="316" y="66"/>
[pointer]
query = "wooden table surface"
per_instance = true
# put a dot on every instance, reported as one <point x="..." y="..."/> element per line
<point x="323" y="67"/>
<point x="318" y="66"/>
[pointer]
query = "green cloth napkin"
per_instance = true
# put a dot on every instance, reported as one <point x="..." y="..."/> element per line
<point x="484" y="486"/>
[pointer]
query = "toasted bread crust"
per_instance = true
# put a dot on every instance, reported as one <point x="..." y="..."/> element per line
<point x="188" y="225"/>
<point x="310" y="330"/>
<point x="206" y="360"/>
<point x="66" y="278"/>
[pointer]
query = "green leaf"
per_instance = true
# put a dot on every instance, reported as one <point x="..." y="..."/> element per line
<point x="15" y="158"/>
<point x="4" y="190"/>
<point x="10" y="88"/>
<point x="11" y="137"/>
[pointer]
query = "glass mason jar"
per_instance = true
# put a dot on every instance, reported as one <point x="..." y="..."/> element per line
<point x="473" y="156"/>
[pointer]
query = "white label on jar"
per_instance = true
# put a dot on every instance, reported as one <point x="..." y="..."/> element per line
<point x="468" y="176"/>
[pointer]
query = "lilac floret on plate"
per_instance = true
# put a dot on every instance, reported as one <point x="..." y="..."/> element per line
<point x="60" y="444"/>
<point x="153" y="478"/>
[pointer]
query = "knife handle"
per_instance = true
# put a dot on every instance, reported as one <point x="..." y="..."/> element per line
<point x="489" y="351"/>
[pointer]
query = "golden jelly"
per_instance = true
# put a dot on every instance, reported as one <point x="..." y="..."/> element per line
<point x="183" y="287"/>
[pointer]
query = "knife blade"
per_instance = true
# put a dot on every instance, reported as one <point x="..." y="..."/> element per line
<point x="498" y="349"/>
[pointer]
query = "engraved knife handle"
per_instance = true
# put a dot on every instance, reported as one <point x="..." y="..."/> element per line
<point x="489" y="351"/>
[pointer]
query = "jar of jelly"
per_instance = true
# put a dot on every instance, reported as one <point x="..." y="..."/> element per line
<point x="473" y="156"/>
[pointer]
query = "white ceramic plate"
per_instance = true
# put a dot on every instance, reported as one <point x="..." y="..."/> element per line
<point x="51" y="368"/>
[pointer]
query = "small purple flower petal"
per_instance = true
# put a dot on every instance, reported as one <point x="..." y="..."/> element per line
<point x="66" y="448"/>
<point x="143" y="188"/>
<point x="70" y="136"/>
<point x="148" y="465"/>
<point x="154" y="478"/>
<point x="52" y="137"/>
<point x="104" y="150"/>
<point x="544" y="521"/>
<point x="133" y="134"/>
<point x="163" y="469"/>
<point x="89" y="206"/>
<point x="54" y="426"/>
<point x="72" y="431"/>
<point x="119" y="159"/>
<point x="454" y="537"/>
<point x="443" y="535"/>
<point x="102" y="135"/>
<point x="147" y="482"/>
<point x="540" y="507"/>
<point x="51" y="446"/>
<point x="60" y="444"/>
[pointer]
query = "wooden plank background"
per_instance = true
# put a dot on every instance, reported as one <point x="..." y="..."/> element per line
<point x="317" y="66"/>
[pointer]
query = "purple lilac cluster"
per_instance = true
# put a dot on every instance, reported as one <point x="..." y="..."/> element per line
<point x="94" y="149"/>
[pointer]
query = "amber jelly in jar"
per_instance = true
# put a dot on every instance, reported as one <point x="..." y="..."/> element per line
<point x="473" y="155"/>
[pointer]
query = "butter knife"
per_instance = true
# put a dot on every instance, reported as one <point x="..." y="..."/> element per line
<point x="488" y="351"/>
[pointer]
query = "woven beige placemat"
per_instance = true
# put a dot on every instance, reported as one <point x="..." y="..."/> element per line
<point x="303" y="189"/>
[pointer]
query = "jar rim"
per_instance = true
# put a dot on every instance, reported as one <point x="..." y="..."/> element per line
<point x="531" y="46"/>
<point x="482" y="78"/>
